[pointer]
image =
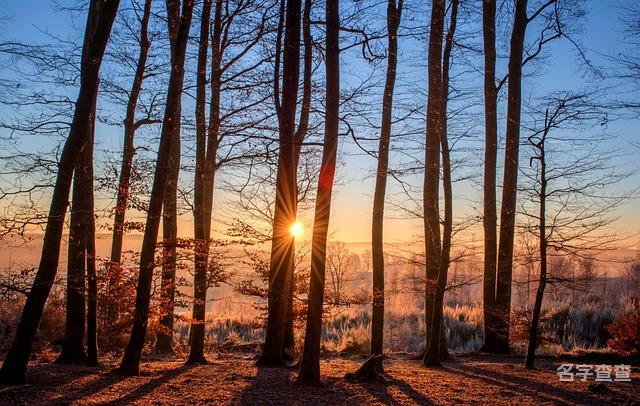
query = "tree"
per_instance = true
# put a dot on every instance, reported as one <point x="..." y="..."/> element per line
<point x="569" y="185"/>
<point x="489" y="219"/>
<point x="434" y="131"/>
<point x="238" y="29"/>
<point x="437" y="345"/>
<point x="552" y="15"/>
<point x="196" y="354"/>
<point x="299" y="138"/>
<point x="394" y="13"/>
<point x="179" y="22"/>
<point x="340" y="262"/>
<point x="100" y="19"/>
<point x="286" y="194"/>
<point x="128" y="152"/>
<point x="310" y="362"/>
<point x="81" y="262"/>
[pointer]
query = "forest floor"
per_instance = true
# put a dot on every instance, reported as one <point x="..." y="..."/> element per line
<point x="234" y="379"/>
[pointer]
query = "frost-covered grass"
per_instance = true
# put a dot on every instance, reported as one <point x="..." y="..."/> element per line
<point x="565" y="327"/>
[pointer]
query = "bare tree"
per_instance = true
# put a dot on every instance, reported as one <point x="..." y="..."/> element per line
<point x="286" y="195"/>
<point x="569" y="184"/>
<point x="394" y="13"/>
<point x="435" y="126"/>
<point x="100" y="19"/>
<point x="437" y="332"/>
<point x="553" y="18"/>
<point x="179" y="22"/>
<point x="310" y="362"/>
<point x="131" y="124"/>
<point x="340" y="263"/>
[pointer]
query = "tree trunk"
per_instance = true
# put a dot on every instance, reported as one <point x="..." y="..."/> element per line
<point x="179" y="23"/>
<point x="300" y="135"/>
<point x="310" y="362"/>
<point x="286" y="195"/>
<point x="510" y="181"/>
<point x="90" y="245"/>
<point x="81" y="262"/>
<point x="529" y="362"/>
<point x="74" y="328"/>
<point x="394" y="13"/>
<point x="128" y="152"/>
<point x="447" y="229"/>
<point x="99" y="22"/>
<point x="164" y="343"/>
<point x="437" y="348"/>
<point x="201" y="216"/>
<point x="490" y="163"/>
<point x="433" y="249"/>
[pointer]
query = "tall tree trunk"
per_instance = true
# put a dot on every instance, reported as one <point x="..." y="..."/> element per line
<point x="164" y="342"/>
<point x="282" y="254"/>
<point x="373" y="366"/>
<point x="201" y="224"/>
<point x="128" y="152"/>
<point x="433" y="249"/>
<point x="436" y="347"/>
<point x="447" y="229"/>
<point x="490" y="163"/>
<point x="99" y="22"/>
<point x="394" y="12"/>
<point x="300" y="135"/>
<point x="529" y="362"/>
<point x="90" y="245"/>
<point x="74" y="328"/>
<point x="510" y="181"/>
<point x="81" y="262"/>
<point x="180" y="23"/>
<point x="310" y="362"/>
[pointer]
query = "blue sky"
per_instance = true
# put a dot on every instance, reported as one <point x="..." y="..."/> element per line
<point x="603" y="36"/>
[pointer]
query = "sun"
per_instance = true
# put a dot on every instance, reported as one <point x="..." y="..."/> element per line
<point x="296" y="229"/>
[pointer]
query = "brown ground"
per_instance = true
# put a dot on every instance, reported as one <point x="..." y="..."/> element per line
<point x="232" y="379"/>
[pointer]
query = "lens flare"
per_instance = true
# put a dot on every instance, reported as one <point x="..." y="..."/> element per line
<point x="296" y="229"/>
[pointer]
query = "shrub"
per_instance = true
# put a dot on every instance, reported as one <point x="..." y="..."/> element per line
<point x="625" y="331"/>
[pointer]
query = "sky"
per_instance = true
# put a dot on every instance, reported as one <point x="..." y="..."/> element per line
<point x="351" y="212"/>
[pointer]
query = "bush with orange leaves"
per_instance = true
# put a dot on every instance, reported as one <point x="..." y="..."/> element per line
<point x="625" y="331"/>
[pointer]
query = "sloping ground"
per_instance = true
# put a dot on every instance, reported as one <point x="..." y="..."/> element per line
<point x="472" y="379"/>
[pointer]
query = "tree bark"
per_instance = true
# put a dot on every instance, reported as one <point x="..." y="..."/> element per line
<point x="433" y="249"/>
<point x="490" y="163"/>
<point x="394" y="12"/>
<point x="510" y="180"/>
<point x="99" y="22"/>
<point x="447" y="229"/>
<point x="128" y="152"/>
<point x="310" y="362"/>
<point x="286" y="195"/>
<point x="90" y="245"/>
<point x="74" y="329"/>
<point x="529" y="362"/>
<point x="202" y="217"/>
<point x="300" y="135"/>
<point x="437" y="348"/>
<point x="164" y="342"/>
<point x="179" y="22"/>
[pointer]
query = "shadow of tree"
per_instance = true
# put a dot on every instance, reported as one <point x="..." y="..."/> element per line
<point x="44" y="383"/>
<point x="522" y="384"/>
<point x="380" y="390"/>
<point x="278" y="386"/>
<point x="153" y="384"/>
